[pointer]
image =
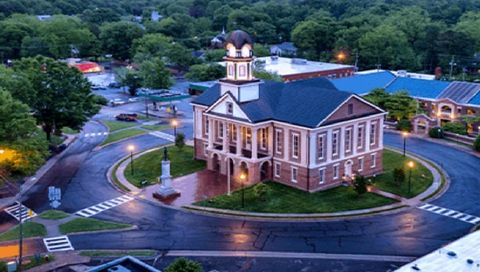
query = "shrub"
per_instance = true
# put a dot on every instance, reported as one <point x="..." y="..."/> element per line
<point x="184" y="265"/>
<point x="476" y="144"/>
<point x="404" y="125"/>
<point x="455" y="127"/>
<point x="360" y="185"/>
<point x="100" y="100"/>
<point x="180" y="140"/>
<point x="436" y="132"/>
<point x="261" y="191"/>
<point x="398" y="175"/>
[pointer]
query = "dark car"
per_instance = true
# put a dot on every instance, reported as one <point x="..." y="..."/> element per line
<point x="114" y="85"/>
<point x="128" y="117"/>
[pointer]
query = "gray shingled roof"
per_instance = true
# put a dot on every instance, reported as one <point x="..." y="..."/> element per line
<point x="304" y="102"/>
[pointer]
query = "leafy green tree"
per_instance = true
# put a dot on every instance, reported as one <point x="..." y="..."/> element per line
<point x="360" y="185"/>
<point x="180" y="140"/>
<point x="455" y="127"/>
<point x="476" y="144"/>
<point x="216" y="55"/>
<point x="312" y="37"/>
<point x="11" y="35"/>
<point x="155" y="75"/>
<point x="262" y="74"/>
<point x="378" y="97"/>
<point x="60" y="96"/>
<point x="220" y="17"/>
<point x="117" y="38"/>
<point x="205" y="72"/>
<point x="260" y="50"/>
<point x="184" y="265"/>
<point x="404" y="125"/>
<point x="177" y="25"/>
<point x="468" y="24"/>
<point x="400" y="106"/>
<point x="436" y="132"/>
<point x="132" y="80"/>
<point x="15" y="120"/>
<point x="398" y="176"/>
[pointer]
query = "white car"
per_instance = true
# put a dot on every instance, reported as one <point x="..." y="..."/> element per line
<point x="117" y="102"/>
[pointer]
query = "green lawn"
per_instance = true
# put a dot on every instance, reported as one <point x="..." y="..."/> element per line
<point x="89" y="224"/>
<point x="68" y="130"/>
<point x="422" y="178"/>
<point x="156" y="127"/>
<point x="118" y="253"/>
<point x="117" y="136"/>
<point x="53" y="215"/>
<point x="148" y="167"/>
<point x="117" y="125"/>
<point x="284" y="199"/>
<point x="30" y="229"/>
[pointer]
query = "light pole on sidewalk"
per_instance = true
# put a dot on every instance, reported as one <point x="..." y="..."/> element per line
<point x="242" y="179"/>
<point x="411" y="164"/>
<point x="174" y="125"/>
<point x="131" y="148"/>
<point x="405" y="135"/>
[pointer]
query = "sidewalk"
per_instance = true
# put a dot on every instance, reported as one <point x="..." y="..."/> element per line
<point x="31" y="181"/>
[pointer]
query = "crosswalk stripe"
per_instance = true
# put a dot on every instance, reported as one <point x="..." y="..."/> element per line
<point x="450" y="213"/>
<point x="59" y="243"/>
<point x="17" y="210"/>
<point x="103" y="206"/>
<point x="163" y="135"/>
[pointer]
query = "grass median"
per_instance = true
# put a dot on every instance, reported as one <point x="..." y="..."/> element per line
<point x="53" y="215"/>
<point x="117" y="125"/>
<point x="421" y="178"/>
<point x="284" y="199"/>
<point x="90" y="224"/>
<point x="123" y="134"/>
<point x="148" y="167"/>
<point x="30" y="229"/>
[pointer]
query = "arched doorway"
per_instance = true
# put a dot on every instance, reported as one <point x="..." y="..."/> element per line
<point x="244" y="169"/>
<point x="215" y="163"/>
<point x="422" y="127"/>
<point x="348" y="169"/>
<point x="265" y="171"/>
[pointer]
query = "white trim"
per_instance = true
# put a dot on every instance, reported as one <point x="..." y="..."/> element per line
<point x="361" y="163"/>
<point x="336" y="145"/>
<point x="351" y="121"/>
<point x="345" y="101"/>
<point x="377" y="149"/>
<point x="360" y="141"/>
<point x="373" y="156"/>
<point x="205" y="151"/>
<point x="279" y="140"/>
<point x="277" y="166"/>
<point x="322" y="136"/>
<point x="373" y="124"/>
<point x="221" y="99"/>
<point x="294" y="169"/>
<point x="295" y="134"/>
<point x="336" y="174"/>
<point x="350" y="139"/>
<point x="321" y="175"/>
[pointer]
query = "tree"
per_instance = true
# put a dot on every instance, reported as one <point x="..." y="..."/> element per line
<point x="262" y="74"/>
<point x="132" y="80"/>
<point x="60" y="96"/>
<point x="180" y="140"/>
<point x="400" y="106"/>
<point x="117" y="38"/>
<point x="11" y="35"/>
<point x="468" y="24"/>
<point x="312" y="38"/>
<point x="378" y="97"/>
<point x="15" y="120"/>
<point x="205" y="72"/>
<point x="436" y="132"/>
<point x="261" y="51"/>
<point x="455" y="127"/>
<point x="155" y="75"/>
<point x="476" y="144"/>
<point x="398" y="176"/>
<point x="360" y="185"/>
<point x="184" y="265"/>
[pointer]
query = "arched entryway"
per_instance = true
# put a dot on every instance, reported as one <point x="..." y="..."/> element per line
<point x="244" y="169"/>
<point x="230" y="166"/>
<point x="265" y="171"/>
<point x="215" y="163"/>
<point x="422" y="127"/>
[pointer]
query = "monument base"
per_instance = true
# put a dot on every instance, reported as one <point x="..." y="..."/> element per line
<point x="166" y="193"/>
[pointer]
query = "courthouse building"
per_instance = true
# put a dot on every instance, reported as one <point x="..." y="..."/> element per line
<point x="305" y="133"/>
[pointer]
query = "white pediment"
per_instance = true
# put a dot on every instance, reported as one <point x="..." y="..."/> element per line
<point x="222" y="105"/>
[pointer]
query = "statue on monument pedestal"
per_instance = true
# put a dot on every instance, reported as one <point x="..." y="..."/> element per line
<point x="166" y="190"/>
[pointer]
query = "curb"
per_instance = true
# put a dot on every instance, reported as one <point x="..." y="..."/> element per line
<point x="134" y="227"/>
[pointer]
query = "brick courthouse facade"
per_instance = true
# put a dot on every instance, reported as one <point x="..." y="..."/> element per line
<point x="305" y="134"/>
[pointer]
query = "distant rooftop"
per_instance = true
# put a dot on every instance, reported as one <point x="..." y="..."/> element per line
<point x="363" y="83"/>
<point x="399" y="73"/>
<point x="460" y="255"/>
<point x="419" y="88"/>
<point x="291" y="66"/>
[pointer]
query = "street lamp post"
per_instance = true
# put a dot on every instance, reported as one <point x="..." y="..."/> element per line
<point x="131" y="148"/>
<point x="174" y="125"/>
<point x="242" y="179"/>
<point x="405" y="135"/>
<point x="410" y="167"/>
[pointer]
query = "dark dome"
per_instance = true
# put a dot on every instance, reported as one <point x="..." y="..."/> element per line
<point x="239" y="38"/>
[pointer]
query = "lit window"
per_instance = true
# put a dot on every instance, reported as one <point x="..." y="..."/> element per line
<point x="278" y="141"/>
<point x="264" y="138"/>
<point x="360" y="164"/>
<point x="335" y="143"/>
<point x="233" y="132"/>
<point x="277" y="169"/>
<point x="229" y="107"/>
<point x="320" y="146"/>
<point x="321" y="175"/>
<point x="241" y="71"/>
<point x="294" y="174"/>
<point x="230" y="70"/>
<point x="336" y="172"/>
<point x="374" y="160"/>
<point x="360" y="137"/>
<point x="348" y="140"/>
<point x="373" y="133"/>
<point x="295" y="145"/>
<point x="248" y="136"/>
<point x="220" y="130"/>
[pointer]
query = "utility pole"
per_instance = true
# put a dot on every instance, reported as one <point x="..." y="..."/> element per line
<point x="452" y="63"/>
<point x="20" y="240"/>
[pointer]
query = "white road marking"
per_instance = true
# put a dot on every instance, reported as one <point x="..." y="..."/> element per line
<point x="98" y="208"/>
<point x="17" y="209"/>
<point x="59" y="243"/>
<point x="163" y="135"/>
<point x="471" y="219"/>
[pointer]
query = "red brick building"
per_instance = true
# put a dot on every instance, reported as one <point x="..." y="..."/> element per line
<point x="305" y="133"/>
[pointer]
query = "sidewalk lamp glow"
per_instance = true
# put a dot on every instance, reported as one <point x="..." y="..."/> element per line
<point x="410" y="165"/>
<point x="243" y="177"/>
<point x="2" y="151"/>
<point x="341" y="56"/>
<point x="174" y="124"/>
<point x="131" y="148"/>
<point x="404" y="135"/>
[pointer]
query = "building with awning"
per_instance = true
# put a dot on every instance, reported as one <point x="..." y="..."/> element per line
<point x="87" y="67"/>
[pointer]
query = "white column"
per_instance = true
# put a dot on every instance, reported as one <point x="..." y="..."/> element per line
<point x="303" y="147"/>
<point x="239" y="140"/>
<point x="313" y="150"/>
<point x="254" y="143"/>
<point x="367" y="135"/>
<point x="210" y="133"/>
<point x="270" y="140"/>
<point x="286" y="144"/>
<point x="225" y="137"/>
<point x="342" y="142"/>
<point x="355" y="138"/>
<point x="329" y="145"/>
<point x="380" y="133"/>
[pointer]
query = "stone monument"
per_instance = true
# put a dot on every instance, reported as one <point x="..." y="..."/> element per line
<point x="166" y="190"/>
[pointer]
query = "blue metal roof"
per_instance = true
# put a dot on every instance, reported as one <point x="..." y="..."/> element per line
<point x="475" y="100"/>
<point x="363" y="84"/>
<point x="420" y="88"/>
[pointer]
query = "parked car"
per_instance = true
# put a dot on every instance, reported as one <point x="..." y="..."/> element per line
<point x="98" y="87"/>
<point x="117" y="102"/>
<point x="128" y="117"/>
<point x="115" y="85"/>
